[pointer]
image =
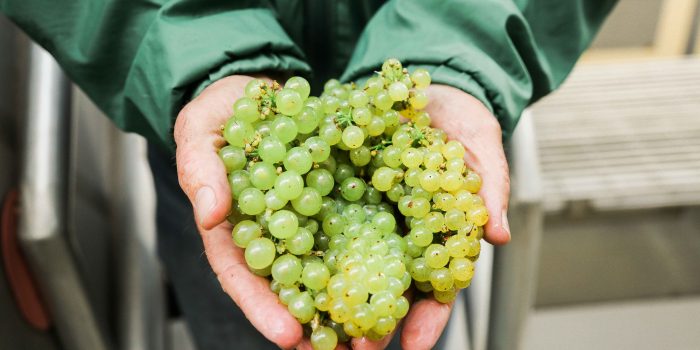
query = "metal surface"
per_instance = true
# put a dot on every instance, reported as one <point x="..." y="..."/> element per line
<point x="515" y="265"/>
<point x="43" y="188"/>
<point x="141" y="314"/>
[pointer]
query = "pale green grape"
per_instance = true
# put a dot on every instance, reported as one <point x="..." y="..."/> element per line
<point x="472" y="182"/>
<point x="362" y="116"/>
<point x="334" y="224"/>
<point x="352" y="188"/>
<point x="238" y="133"/>
<point x="289" y="102"/>
<point x="383" y="100"/>
<point x="299" y="160"/>
<point x="374" y="85"/>
<point x="412" y="157"/>
<point x="419" y="269"/>
<point x="451" y="181"/>
<point x="319" y="149"/>
<point x="321" y="301"/>
<point x="453" y="149"/>
<point x="254" y="88"/>
<point x="372" y="196"/>
<point x="391" y="118"/>
<point x="454" y="219"/>
<point x="284" y="128"/>
<point x="307" y="120"/>
<point x="383" y="178"/>
<point x="287" y="269"/>
<point x="299" y="85"/>
<point x="324" y="338"/>
<point x="260" y="253"/>
<point x="457" y="246"/>
<point x="301" y="242"/>
<point x="330" y="133"/>
<point x="273" y="200"/>
<point x="376" y="126"/>
<point x="352" y="330"/>
<point x="271" y="150"/>
<point x="238" y="180"/>
<point x="395" y="192"/>
<point x="430" y="180"/>
<point x="283" y="224"/>
<point x="353" y="136"/>
<point x="315" y="276"/>
<point x="421" y="236"/>
<point x="360" y="156"/>
<point x="355" y="294"/>
<point x="363" y="316"/>
<point x="251" y="201"/>
<point x="441" y="279"/>
<point x="287" y="293"/>
<point x="321" y="180"/>
<point x="385" y="222"/>
<point x="436" y="256"/>
<point x="289" y="185"/>
<point x="234" y="158"/>
<point x="302" y="307"/>
<point x="339" y="311"/>
<point x="398" y="91"/>
<point x="384" y="325"/>
<point x="263" y="175"/>
<point x="308" y="202"/>
<point x="421" y="78"/>
<point x="402" y="306"/>
<point x="461" y="269"/>
<point x="246" y="109"/>
<point x="246" y="231"/>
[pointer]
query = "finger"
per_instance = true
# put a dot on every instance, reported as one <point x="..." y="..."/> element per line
<point x="198" y="137"/>
<point x="251" y="293"/>
<point x="424" y="323"/>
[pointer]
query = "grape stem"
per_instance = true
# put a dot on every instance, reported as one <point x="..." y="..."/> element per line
<point x="316" y="322"/>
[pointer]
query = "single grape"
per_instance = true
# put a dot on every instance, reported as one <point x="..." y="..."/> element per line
<point x="274" y="201"/>
<point x="302" y="307"/>
<point x="421" y="78"/>
<point x="284" y="128"/>
<point x="352" y="188"/>
<point x="251" y="201"/>
<point x="324" y="338"/>
<point x="263" y="175"/>
<point x="398" y="91"/>
<point x="260" y="253"/>
<point x="441" y="279"/>
<point x="289" y="185"/>
<point x="238" y="180"/>
<point x="299" y="160"/>
<point x="436" y="256"/>
<point x="362" y="116"/>
<point x="283" y="224"/>
<point x="299" y="85"/>
<point x="287" y="269"/>
<point x="246" y="231"/>
<point x="289" y="102"/>
<point x="353" y="136"/>
<point x="271" y="150"/>
<point x="238" y="133"/>
<point x="360" y="156"/>
<point x="234" y="158"/>
<point x="254" y="88"/>
<point x="383" y="100"/>
<point x="246" y="109"/>
<point x="319" y="149"/>
<point x="315" y="276"/>
<point x="301" y="242"/>
<point x="384" y="326"/>
<point x="418" y="99"/>
<point x="308" y="202"/>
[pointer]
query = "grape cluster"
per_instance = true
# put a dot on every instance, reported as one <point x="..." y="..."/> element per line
<point x="346" y="200"/>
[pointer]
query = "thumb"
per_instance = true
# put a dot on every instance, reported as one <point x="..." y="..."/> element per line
<point x="200" y="171"/>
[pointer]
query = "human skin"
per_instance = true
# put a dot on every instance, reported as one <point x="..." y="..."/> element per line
<point x="202" y="177"/>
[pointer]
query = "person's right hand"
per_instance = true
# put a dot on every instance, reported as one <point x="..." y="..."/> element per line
<point x="203" y="178"/>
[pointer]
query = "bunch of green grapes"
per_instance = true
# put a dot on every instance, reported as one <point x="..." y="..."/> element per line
<point x="346" y="200"/>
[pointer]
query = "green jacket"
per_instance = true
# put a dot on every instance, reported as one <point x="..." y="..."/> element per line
<point x="141" y="60"/>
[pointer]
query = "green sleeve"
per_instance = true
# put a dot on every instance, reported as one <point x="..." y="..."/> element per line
<point x="506" y="53"/>
<point x="140" y="61"/>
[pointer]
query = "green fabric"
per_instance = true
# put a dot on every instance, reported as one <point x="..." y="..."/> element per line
<point x="141" y="61"/>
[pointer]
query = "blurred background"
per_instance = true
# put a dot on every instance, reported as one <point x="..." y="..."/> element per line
<point x="605" y="209"/>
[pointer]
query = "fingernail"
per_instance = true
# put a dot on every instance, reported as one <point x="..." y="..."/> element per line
<point x="504" y="220"/>
<point x="205" y="200"/>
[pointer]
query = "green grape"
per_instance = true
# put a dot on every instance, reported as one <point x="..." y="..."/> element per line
<point x="238" y="180"/>
<point x="376" y="282"/>
<point x="455" y="164"/>
<point x="331" y="84"/>
<point x="413" y="176"/>
<point x="358" y="98"/>
<point x="301" y="242"/>
<point x="352" y="188"/>
<point x="446" y="296"/>
<point x="385" y="222"/>
<point x="395" y="192"/>
<point x="287" y="293"/>
<point x="273" y="200"/>
<point x="421" y="78"/>
<point x="372" y="196"/>
<point x="307" y="120"/>
<point x="319" y="149"/>
<point x="421" y="207"/>
<point x="395" y="286"/>
<point x="373" y="85"/>
<point x="421" y="236"/>
<point x="392" y="67"/>
<point x="402" y="306"/>
<point x="436" y="256"/>
<point x="383" y="178"/>
<point x="246" y="231"/>
<point x="315" y="276"/>
<point x="254" y="88"/>
<point x="362" y="116"/>
<point x="451" y="181"/>
<point x="462" y="284"/>
<point x="340" y="93"/>
<point x="461" y="269"/>
<point x="479" y="215"/>
<point x="421" y="193"/>
<point x="398" y="91"/>
<point x="233" y="157"/>
<point x="271" y="150"/>
<point x="322" y="300"/>
<point x="441" y="279"/>
<point x="330" y="104"/>
<point x="474" y="247"/>
<point x="263" y="175"/>
<point x="308" y="203"/>
<point x="263" y="128"/>
<point x="324" y="338"/>
<point x="453" y="149"/>
<point x="444" y="201"/>
<point x="284" y="128"/>
<point x="401" y="139"/>
<point x="299" y="160"/>
<point x="422" y="119"/>
<point x="289" y="102"/>
<point x="355" y="294"/>
<point x="238" y="133"/>
<point x="283" y="224"/>
<point x="302" y="307"/>
<point x="418" y="99"/>
<point x="360" y="156"/>
<point x="454" y="219"/>
<point x="260" y="253"/>
<point x="352" y="330"/>
<point x="363" y="317"/>
<point x="384" y="326"/>
<point x="405" y="204"/>
<point x="321" y="180"/>
<point x="424" y="287"/>
<point x="353" y="136"/>
<point x="412" y="157"/>
<point x="472" y="182"/>
<point x="376" y="126"/>
<point x="430" y="180"/>
<point x="289" y="185"/>
<point x="419" y="269"/>
<point x="299" y="85"/>
<point x="383" y="303"/>
<point x="287" y="269"/>
<point x="330" y="133"/>
<point x="383" y="100"/>
<point x="392" y="156"/>
<point x="432" y="160"/>
<point x="246" y="109"/>
<point x="457" y="246"/>
<point x="334" y="224"/>
<point x="391" y="118"/>
<point x="339" y="311"/>
<point x="463" y="200"/>
<point x="251" y="201"/>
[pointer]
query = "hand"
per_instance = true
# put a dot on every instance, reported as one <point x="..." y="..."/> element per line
<point x="203" y="178"/>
